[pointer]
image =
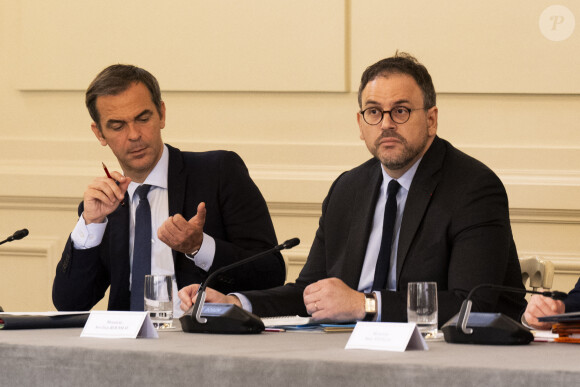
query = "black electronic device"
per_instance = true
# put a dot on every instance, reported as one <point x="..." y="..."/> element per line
<point x="561" y="318"/>
<point x="16" y="236"/>
<point x="490" y="328"/>
<point x="225" y="318"/>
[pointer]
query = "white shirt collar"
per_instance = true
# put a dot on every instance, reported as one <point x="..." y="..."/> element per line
<point x="157" y="177"/>
<point x="405" y="180"/>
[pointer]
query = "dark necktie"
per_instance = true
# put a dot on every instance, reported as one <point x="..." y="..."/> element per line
<point x="141" y="248"/>
<point x="384" y="258"/>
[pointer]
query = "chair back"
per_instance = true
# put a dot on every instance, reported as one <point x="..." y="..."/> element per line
<point x="538" y="271"/>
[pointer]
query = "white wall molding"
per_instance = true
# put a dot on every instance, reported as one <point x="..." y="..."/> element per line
<point x="544" y="216"/>
<point x="294" y="172"/>
<point x="44" y="250"/>
<point x="32" y="203"/>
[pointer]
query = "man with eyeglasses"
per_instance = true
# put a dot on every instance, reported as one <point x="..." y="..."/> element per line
<point x="419" y="210"/>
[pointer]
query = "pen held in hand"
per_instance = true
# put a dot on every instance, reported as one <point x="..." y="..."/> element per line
<point x="110" y="177"/>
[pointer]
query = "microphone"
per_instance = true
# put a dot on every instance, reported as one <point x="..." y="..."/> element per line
<point x="16" y="236"/>
<point x="225" y="318"/>
<point x="490" y="328"/>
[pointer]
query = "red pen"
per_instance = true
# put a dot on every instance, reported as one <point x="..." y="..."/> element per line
<point x="110" y="177"/>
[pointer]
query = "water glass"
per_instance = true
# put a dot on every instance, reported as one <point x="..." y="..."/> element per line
<point x="159" y="300"/>
<point x="422" y="307"/>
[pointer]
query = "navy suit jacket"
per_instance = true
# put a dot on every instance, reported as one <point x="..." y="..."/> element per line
<point x="237" y="218"/>
<point x="455" y="231"/>
<point x="572" y="302"/>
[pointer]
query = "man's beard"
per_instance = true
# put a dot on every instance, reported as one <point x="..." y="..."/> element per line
<point x="408" y="154"/>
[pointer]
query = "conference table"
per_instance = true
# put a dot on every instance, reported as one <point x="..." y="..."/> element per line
<point x="60" y="357"/>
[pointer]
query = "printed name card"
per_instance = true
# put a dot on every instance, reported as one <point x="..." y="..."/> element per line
<point x="382" y="336"/>
<point x="119" y="325"/>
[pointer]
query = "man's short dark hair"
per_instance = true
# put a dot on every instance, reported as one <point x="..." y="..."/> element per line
<point x="114" y="80"/>
<point x="401" y="63"/>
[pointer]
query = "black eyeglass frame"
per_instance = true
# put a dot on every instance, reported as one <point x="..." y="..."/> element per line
<point x="409" y="110"/>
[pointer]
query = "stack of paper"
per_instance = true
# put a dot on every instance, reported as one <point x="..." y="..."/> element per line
<point x="566" y="325"/>
<point x="298" y="323"/>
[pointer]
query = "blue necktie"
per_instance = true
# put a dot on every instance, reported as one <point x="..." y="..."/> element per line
<point x="384" y="258"/>
<point x="141" y="248"/>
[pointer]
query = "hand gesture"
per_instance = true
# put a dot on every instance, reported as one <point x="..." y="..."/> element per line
<point x="103" y="196"/>
<point x="182" y="235"/>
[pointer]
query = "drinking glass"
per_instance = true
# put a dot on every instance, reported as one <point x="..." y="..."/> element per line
<point x="159" y="300"/>
<point x="422" y="307"/>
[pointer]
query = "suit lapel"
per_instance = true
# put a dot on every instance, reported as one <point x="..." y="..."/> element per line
<point x="176" y="184"/>
<point x="420" y="192"/>
<point x="360" y="228"/>
<point x="176" y="181"/>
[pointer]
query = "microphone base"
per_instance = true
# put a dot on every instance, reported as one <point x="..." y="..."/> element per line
<point x="222" y="318"/>
<point x="488" y="328"/>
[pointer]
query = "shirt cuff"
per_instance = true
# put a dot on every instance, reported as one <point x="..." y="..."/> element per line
<point x="379" y="309"/>
<point x="246" y="304"/>
<point x="86" y="236"/>
<point x="204" y="257"/>
<point x="525" y="323"/>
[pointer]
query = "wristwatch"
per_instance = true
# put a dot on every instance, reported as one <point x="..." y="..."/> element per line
<point x="192" y="254"/>
<point x="370" y="307"/>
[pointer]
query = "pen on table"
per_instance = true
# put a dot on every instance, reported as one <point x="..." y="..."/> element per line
<point x="110" y="177"/>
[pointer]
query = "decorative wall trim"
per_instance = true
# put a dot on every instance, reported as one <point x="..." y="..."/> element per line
<point x="32" y="203"/>
<point x="544" y="216"/>
<point x="286" y="209"/>
<point x="45" y="249"/>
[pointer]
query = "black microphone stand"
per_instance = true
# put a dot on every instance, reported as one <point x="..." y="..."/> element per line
<point x="16" y="236"/>
<point x="226" y="318"/>
<point x="490" y="328"/>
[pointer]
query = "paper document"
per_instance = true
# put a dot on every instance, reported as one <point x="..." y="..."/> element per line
<point x="283" y="321"/>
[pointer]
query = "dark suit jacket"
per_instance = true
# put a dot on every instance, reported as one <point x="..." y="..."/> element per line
<point x="573" y="301"/>
<point x="237" y="218"/>
<point x="455" y="231"/>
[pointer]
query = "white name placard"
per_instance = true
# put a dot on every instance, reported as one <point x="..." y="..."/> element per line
<point x="382" y="336"/>
<point x="119" y="325"/>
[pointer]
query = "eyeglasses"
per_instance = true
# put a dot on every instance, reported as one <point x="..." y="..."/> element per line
<point x="399" y="114"/>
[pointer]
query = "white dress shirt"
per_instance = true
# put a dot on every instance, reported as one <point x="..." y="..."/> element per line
<point x="374" y="243"/>
<point x="87" y="236"/>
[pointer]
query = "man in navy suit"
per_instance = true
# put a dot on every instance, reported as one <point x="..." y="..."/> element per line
<point x="540" y="306"/>
<point x="206" y="212"/>
<point x="451" y="226"/>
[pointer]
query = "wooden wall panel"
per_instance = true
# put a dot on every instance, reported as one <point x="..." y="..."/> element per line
<point x="492" y="46"/>
<point x="189" y="45"/>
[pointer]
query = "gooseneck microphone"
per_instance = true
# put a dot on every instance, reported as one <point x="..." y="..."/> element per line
<point x="226" y="318"/>
<point x="16" y="236"/>
<point x="490" y="328"/>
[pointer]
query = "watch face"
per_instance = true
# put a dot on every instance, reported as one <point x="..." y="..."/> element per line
<point x="369" y="304"/>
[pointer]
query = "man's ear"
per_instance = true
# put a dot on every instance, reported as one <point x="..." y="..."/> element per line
<point x="98" y="134"/>
<point x="162" y="115"/>
<point x="360" y="125"/>
<point x="432" y="117"/>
